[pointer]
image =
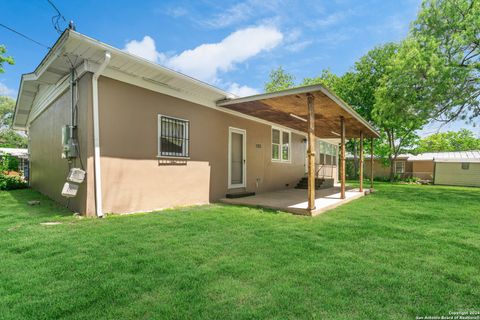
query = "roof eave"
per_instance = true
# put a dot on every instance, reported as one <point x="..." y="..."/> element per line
<point x="302" y="90"/>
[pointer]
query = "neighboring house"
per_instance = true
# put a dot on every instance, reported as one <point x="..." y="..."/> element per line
<point x="460" y="168"/>
<point x="151" y="138"/>
<point x="381" y="168"/>
<point x="450" y="168"/>
<point x="21" y="155"/>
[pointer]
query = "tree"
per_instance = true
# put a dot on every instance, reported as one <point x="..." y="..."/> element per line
<point x="279" y="80"/>
<point x="7" y="108"/>
<point x="448" y="33"/>
<point x="9" y="138"/>
<point x="4" y="59"/>
<point x="462" y="140"/>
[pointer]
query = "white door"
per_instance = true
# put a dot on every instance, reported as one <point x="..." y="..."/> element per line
<point x="237" y="158"/>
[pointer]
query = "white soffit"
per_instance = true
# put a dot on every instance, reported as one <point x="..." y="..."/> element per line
<point x="75" y="48"/>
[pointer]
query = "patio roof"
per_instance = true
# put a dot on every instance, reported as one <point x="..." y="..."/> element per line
<point x="289" y="108"/>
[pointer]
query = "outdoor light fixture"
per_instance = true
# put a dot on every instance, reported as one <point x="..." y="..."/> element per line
<point x="337" y="134"/>
<point x="297" y="117"/>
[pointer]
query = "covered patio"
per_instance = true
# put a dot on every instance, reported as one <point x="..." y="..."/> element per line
<point x="319" y="113"/>
<point x="296" y="201"/>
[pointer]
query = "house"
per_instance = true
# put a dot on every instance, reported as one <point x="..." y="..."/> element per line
<point x="381" y="167"/>
<point x="460" y="168"/>
<point x="21" y="154"/>
<point x="150" y="138"/>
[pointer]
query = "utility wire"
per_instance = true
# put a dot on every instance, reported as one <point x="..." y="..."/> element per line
<point x="24" y="36"/>
<point x="56" y="18"/>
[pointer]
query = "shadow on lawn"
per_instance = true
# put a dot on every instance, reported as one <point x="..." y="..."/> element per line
<point x="430" y="193"/>
<point x="16" y="201"/>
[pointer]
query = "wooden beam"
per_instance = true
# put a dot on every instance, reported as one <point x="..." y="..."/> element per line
<point x="371" y="165"/>
<point x="342" y="159"/>
<point x="311" y="153"/>
<point x="361" y="161"/>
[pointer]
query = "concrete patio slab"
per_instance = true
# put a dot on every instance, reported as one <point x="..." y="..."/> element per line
<point x="295" y="200"/>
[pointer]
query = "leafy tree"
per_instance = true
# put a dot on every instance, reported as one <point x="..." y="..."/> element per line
<point x="279" y="80"/>
<point x="4" y="59"/>
<point x="462" y="140"/>
<point x="9" y="163"/>
<point x="9" y="138"/>
<point x="7" y="108"/>
<point x="446" y="35"/>
<point x="358" y="87"/>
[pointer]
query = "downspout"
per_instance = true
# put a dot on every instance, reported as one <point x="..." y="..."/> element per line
<point x="96" y="136"/>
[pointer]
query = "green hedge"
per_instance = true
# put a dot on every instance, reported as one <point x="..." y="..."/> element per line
<point x="11" y="182"/>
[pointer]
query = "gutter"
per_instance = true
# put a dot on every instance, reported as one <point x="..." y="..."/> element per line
<point x="96" y="135"/>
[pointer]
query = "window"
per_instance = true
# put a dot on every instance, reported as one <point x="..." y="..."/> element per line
<point x="173" y="137"/>
<point x="465" y="165"/>
<point x="327" y="153"/>
<point x="285" y="146"/>
<point x="281" y="142"/>
<point x="399" y="166"/>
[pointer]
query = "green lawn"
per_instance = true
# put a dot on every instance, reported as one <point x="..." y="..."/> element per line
<point x="402" y="252"/>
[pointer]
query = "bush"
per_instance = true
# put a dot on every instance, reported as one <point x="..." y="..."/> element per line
<point x="11" y="182"/>
<point x="9" y="163"/>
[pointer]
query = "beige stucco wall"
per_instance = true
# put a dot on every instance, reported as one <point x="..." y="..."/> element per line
<point x="453" y="174"/>
<point x="132" y="178"/>
<point x="48" y="171"/>
<point x="423" y="169"/>
<point x="382" y="171"/>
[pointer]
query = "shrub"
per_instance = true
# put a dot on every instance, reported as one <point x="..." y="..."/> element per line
<point x="11" y="182"/>
<point x="9" y="163"/>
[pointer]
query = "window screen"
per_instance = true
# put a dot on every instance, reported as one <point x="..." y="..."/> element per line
<point x="173" y="137"/>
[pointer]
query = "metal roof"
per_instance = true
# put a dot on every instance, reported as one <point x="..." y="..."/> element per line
<point x="16" y="152"/>
<point x="457" y="156"/>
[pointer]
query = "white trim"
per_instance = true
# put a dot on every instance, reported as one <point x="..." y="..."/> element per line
<point x="186" y="132"/>
<point x="45" y="98"/>
<point x="43" y="101"/>
<point x="281" y="131"/>
<point x="395" y="166"/>
<point x="96" y="136"/>
<point x="244" y="172"/>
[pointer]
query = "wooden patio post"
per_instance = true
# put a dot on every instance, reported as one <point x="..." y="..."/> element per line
<point x="361" y="161"/>
<point x="371" y="166"/>
<point x="342" y="159"/>
<point x="311" y="153"/>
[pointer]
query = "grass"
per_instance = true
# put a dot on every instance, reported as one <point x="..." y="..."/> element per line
<point x="405" y="251"/>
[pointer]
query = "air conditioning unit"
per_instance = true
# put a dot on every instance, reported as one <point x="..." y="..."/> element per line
<point x="76" y="175"/>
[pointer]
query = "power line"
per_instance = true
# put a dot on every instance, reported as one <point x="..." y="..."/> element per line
<point x="25" y="36"/>
<point x="56" y="18"/>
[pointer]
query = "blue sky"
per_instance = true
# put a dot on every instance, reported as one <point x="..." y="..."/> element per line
<point x="230" y="44"/>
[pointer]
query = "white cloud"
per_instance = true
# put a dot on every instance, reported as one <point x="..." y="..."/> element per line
<point x="207" y="60"/>
<point x="237" y="13"/>
<point x="329" y="20"/>
<point x="6" y="91"/>
<point x="145" y="48"/>
<point x="177" y="12"/>
<point x="242" y="91"/>
<point x="298" y="46"/>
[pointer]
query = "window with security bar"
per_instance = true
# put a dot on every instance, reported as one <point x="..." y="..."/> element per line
<point x="173" y="140"/>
